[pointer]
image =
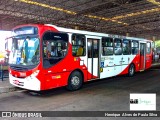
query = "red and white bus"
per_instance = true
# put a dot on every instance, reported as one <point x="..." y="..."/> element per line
<point x="46" y="56"/>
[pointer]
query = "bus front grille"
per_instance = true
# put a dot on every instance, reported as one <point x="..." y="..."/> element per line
<point x="20" y="69"/>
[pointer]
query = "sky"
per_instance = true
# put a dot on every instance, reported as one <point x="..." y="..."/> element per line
<point x="3" y="36"/>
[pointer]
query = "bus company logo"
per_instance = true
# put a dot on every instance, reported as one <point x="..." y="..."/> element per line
<point x="142" y="101"/>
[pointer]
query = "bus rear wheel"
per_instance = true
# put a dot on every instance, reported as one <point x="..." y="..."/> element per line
<point x="131" y="70"/>
<point x="75" y="81"/>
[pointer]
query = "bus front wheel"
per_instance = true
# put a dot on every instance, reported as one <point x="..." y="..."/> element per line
<point x="75" y="81"/>
<point x="131" y="70"/>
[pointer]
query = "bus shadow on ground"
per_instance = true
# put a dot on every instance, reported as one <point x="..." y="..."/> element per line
<point x="114" y="81"/>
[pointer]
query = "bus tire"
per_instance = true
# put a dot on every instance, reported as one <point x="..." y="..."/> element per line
<point x="131" y="70"/>
<point x="75" y="81"/>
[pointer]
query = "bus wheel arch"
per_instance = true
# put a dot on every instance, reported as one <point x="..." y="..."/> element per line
<point x="75" y="80"/>
<point x="131" y="70"/>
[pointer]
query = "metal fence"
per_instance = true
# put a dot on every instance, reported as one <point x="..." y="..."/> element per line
<point x="4" y="71"/>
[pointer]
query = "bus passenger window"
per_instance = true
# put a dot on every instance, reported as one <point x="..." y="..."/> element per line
<point x="78" y="45"/>
<point x="126" y="47"/>
<point x="107" y="46"/>
<point x="117" y="46"/>
<point x="54" y="48"/>
<point x="135" y="47"/>
<point x="148" y="48"/>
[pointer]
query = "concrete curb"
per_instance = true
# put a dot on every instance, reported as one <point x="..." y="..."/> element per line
<point x="7" y="89"/>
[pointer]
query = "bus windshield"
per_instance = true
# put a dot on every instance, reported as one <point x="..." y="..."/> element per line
<point x="24" y="51"/>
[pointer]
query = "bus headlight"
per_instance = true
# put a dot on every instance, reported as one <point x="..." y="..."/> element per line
<point x="34" y="74"/>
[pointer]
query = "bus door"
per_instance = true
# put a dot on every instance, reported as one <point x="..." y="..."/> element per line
<point x="93" y="58"/>
<point x="142" y="56"/>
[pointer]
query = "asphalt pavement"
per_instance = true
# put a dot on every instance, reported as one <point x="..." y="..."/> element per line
<point x="6" y="87"/>
<point x="111" y="94"/>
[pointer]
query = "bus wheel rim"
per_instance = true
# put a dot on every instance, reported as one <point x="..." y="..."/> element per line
<point x="75" y="80"/>
<point x="131" y="70"/>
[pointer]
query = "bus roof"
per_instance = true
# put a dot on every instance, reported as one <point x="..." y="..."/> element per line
<point x="68" y="30"/>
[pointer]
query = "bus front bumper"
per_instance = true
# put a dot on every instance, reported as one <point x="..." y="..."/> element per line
<point x="30" y="83"/>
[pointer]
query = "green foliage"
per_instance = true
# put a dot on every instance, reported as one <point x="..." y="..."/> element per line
<point x="157" y="43"/>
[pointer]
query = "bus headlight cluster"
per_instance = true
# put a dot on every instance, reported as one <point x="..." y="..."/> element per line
<point x="34" y="74"/>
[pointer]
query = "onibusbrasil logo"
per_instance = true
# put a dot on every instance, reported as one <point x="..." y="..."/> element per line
<point x="143" y="101"/>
